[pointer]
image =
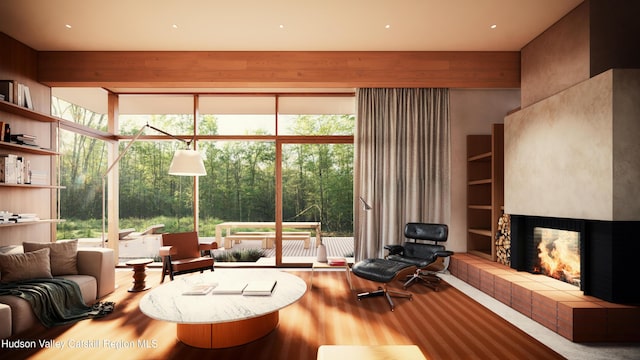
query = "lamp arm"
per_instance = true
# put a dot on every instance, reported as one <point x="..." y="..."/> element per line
<point x="365" y="206"/>
<point x="117" y="160"/>
<point x="188" y="142"/>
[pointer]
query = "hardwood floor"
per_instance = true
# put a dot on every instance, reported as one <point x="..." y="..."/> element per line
<point x="445" y="325"/>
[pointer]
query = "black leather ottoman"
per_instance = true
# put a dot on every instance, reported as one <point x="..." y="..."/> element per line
<point x="383" y="271"/>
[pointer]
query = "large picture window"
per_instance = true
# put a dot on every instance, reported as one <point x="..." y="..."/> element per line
<point x="244" y="139"/>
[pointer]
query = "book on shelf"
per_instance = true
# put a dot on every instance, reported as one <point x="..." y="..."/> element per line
<point x="260" y="288"/>
<point x="8" y="168"/>
<point x="38" y="177"/>
<point x="6" y="89"/>
<point x="19" y="94"/>
<point x="7" y="217"/>
<point x="26" y="217"/>
<point x="200" y="289"/>
<point x="229" y="287"/>
<point x="336" y="261"/>
<point x="28" y="103"/>
<point x="24" y="139"/>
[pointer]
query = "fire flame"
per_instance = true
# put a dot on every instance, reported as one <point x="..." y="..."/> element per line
<point x="559" y="255"/>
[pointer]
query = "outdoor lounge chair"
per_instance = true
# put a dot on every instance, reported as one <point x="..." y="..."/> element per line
<point x="182" y="253"/>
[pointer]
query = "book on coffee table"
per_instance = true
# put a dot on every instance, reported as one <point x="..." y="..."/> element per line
<point x="259" y="288"/>
<point x="199" y="289"/>
<point x="229" y="287"/>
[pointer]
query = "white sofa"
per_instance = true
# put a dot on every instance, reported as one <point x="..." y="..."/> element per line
<point x="95" y="277"/>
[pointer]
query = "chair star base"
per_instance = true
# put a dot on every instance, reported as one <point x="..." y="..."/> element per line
<point x="427" y="279"/>
<point x="383" y="291"/>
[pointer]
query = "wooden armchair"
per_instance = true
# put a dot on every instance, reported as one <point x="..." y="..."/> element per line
<point x="182" y="253"/>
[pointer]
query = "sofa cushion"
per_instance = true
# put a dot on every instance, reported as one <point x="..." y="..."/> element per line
<point x="22" y="315"/>
<point x="30" y="265"/>
<point x="5" y="321"/>
<point x="63" y="255"/>
<point x="88" y="286"/>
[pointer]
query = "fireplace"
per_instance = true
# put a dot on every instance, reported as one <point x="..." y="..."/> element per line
<point x="558" y="254"/>
<point x="601" y="259"/>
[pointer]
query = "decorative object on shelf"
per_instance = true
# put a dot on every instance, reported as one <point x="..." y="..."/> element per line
<point x="185" y="163"/>
<point x="322" y="253"/>
<point x="6" y="132"/>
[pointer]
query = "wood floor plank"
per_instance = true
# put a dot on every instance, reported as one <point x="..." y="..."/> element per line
<point x="445" y="325"/>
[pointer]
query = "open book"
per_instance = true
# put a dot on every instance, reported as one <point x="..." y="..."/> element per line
<point x="200" y="289"/>
<point x="260" y="287"/>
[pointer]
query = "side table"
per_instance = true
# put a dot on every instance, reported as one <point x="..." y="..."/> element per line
<point x="139" y="274"/>
<point x="323" y="265"/>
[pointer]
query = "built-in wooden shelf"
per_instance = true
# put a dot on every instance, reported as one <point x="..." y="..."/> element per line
<point x="485" y="188"/>
<point x="483" y="232"/>
<point x="484" y="156"/>
<point x="480" y="182"/>
<point x="27" y="113"/>
<point x="32" y="186"/>
<point x="480" y="207"/>
<point x="27" y="149"/>
<point x="35" y="222"/>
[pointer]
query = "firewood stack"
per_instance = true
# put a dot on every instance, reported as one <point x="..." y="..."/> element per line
<point x="503" y="240"/>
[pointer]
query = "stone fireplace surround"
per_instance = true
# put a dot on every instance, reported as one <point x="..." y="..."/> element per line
<point x="608" y="251"/>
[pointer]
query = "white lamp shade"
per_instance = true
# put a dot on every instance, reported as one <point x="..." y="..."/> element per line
<point x="187" y="163"/>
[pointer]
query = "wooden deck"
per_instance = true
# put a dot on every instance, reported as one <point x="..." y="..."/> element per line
<point x="292" y="249"/>
<point x="336" y="246"/>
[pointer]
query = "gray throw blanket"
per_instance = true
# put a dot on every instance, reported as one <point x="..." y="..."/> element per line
<point x="54" y="301"/>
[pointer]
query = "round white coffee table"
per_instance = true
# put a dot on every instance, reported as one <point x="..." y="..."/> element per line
<point x="222" y="320"/>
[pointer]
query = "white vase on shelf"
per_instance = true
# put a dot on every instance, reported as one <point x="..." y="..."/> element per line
<point x="322" y="253"/>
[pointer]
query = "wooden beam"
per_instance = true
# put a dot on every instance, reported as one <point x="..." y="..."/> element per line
<point x="280" y="69"/>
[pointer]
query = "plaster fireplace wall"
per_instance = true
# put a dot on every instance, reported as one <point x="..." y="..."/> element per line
<point x="577" y="154"/>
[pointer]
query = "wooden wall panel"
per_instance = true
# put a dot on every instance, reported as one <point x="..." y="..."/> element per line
<point x="19" y="62"/>
<point x="558" y="58"/>
<point x="280" y="69"/>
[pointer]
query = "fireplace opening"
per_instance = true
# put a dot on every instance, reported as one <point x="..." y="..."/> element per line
<point x="558" y="254"/>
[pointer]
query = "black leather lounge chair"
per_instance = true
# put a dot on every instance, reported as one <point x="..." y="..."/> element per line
<point x="424" y="256"/>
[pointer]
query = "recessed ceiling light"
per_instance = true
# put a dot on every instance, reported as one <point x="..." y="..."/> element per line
<point x="175" y="26"/>
<point x="493" y="26"/>
<point x="281" y="26"/>
<point x="67" y="26"/>
<point x="387" y="26"/>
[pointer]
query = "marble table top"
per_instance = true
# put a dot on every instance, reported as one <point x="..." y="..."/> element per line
<point x="167" y="303"/>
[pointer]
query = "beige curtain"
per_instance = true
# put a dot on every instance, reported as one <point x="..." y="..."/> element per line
<point x="402" y="164"/>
